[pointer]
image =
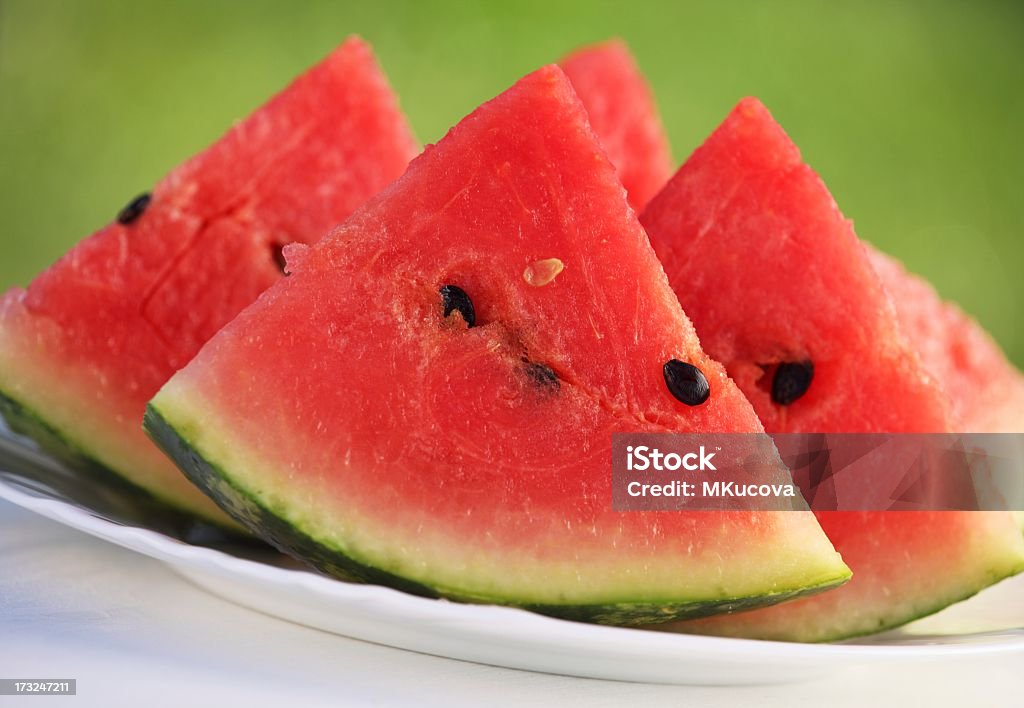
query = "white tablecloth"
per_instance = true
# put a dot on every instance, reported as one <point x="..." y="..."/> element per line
<point x="135" y="634"/>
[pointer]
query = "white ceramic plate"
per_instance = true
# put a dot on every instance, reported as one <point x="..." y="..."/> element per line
<point x="990" y="623"/>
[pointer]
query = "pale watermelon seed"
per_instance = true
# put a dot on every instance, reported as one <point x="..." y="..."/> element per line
<point x="540" y="273"/>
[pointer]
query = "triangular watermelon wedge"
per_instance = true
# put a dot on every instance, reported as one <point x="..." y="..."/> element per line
<point x="94" y="337"/>
<point x="781" y="290"/>
<point x="622" y="112"/>
<point x="428" y="400"/>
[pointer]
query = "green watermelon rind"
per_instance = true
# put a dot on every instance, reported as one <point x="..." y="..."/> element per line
<point x="24" y="421"/>
<point x="883" y="626"/>
<point x="993" y="577"/>
<point x="274" y="527"/>
<point x="886" y="626"/>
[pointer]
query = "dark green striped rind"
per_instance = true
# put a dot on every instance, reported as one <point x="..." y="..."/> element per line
<point x="24" y="421"/>
<point x="88" y="482"/>
<point x="252" y="512"/>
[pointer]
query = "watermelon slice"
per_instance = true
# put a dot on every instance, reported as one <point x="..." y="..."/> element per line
<point x="94" y="337"/>
<point x="622" y="113"/>
<point x="986" y="392"/>
<point x="438" y="382"/>
<point x="781" y="290"/>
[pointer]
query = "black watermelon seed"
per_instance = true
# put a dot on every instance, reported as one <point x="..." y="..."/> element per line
<point x="456" y="299"/>
<point x="134" y="209"/>
<point x="277" y="253"/>
<point x="791" y="381"/>
<point x="686" y="382"/>
<point x="542" y="375"/>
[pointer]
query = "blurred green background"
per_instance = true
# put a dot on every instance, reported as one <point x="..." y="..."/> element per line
<point x="911" y="111"/>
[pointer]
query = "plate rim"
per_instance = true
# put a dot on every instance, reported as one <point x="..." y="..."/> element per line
<point x="516" y="625"/>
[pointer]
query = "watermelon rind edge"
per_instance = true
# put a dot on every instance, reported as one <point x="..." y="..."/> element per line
<point x="248" y="509"/>
<point x="24" y="421"/>
<point x="883" y="626"/>
<point x="993" y="578"/>
<point x="21" y="419"/>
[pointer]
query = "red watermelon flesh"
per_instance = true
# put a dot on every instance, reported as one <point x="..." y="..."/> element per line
<point x="985" y="391"/>
<point x="753" y="242"/>
<point x="94" y="337"/>
<point x="622" y="112"/>
<point x="459" y="444"/>
<point x="772" y="274"/>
